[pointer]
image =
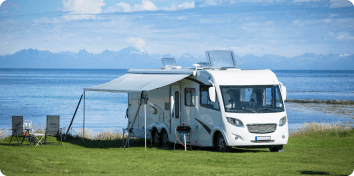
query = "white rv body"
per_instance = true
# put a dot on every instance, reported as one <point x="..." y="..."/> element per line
<point x="181" y="103"/>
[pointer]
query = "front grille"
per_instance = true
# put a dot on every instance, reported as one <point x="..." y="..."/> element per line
<point x="262" y="128"/>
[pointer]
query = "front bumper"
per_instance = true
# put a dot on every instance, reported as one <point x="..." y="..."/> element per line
<point x="242" y="137"/>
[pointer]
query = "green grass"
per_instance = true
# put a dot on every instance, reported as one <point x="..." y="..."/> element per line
<point x="318" y="153"/>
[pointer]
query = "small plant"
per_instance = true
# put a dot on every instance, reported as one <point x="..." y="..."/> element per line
<point x="4" y="133"/>
<point x="89" y="134"/>
<point x="311" y="128"/>
<point x="111" y="134"/>
<point x="38" y="128"/>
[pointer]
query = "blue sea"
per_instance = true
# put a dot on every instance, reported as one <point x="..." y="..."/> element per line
<point x="35" y="93"/>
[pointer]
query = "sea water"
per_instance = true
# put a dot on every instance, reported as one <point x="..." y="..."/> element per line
<point x="35" y="93"/>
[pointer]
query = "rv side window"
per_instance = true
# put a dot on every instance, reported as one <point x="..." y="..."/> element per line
<point x="205" y="100"/>
<point x="189" y="94"/>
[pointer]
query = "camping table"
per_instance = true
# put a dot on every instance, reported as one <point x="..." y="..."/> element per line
<point x="36" y="136"/>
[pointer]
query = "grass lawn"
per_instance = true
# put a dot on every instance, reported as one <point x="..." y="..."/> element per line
<point x="321" y="153"/>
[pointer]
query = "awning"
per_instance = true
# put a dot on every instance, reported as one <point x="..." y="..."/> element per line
<point x="137" y="82"/>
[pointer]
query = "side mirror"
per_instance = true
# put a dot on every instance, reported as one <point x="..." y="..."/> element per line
<point x="212" y="94"/>
<point x="283" y="91"/>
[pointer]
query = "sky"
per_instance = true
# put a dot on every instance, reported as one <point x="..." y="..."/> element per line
<point x="283" y="27"/>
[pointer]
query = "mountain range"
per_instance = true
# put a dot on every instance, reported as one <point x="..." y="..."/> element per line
<point x="131" y="57"/>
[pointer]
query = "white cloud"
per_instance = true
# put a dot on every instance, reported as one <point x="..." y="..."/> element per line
<point x="327" y="20"/>
<point x="125" y="7"/>
<point x="120" y="7"/>
<point x="211" y="2"/>
<point x="301" y="1"/>
<point x="185" y="5"/>
<point x="1" y="1"/>
<point x="347" y="54"/>
<point x="341" y="3"/>
<point x="344" y="35"/>
<point x="147" y="5"/>
<point x="182" y="17"/>
<point x="45" y="20"/>
<point x="319" y="21"/>
<point x="345" y="20"/>
<point x="82" y="9"/>
<point x="202" y="3"/>
<point x="137" y="42"/>
<point x="298" y="23"/>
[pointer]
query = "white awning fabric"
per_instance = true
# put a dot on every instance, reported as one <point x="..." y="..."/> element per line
<point x="137" y="82"/>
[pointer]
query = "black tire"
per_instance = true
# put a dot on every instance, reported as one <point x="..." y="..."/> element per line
<point x="156" y="138"/>
<point x="276" y="148"/>
<point x="221" y="144"/>
<point x="164" y="139"/>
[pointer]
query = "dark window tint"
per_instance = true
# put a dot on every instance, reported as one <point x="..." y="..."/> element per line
<point x="205" y="100"/>
<point x="189" y="97"/>
<point x="177" y="104"/>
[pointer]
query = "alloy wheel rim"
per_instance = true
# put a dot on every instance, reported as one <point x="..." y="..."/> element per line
<point x="165" y="138"/>
<point x="156" y="138"/>
<point x="221" y="143"/>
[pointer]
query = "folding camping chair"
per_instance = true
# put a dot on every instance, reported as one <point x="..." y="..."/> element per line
<point x="52" y="128"/>
<point x="17" y="129"/>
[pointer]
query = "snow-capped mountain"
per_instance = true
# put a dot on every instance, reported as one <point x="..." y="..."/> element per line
<point x="131" y="57"/>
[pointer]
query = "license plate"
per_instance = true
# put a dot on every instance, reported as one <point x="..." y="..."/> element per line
<point x="262" y="138"/>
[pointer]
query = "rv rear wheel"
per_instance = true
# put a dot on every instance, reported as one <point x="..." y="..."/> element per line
<point x="155" y="138"/>
<point x="164" y="138"/>
<point x="221" y="144"/>
<point x="276" y="148"/>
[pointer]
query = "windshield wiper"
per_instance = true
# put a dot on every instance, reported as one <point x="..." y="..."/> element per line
<point x="243" y="109"/>
<point x="269" y="109"/>
<point x="266" y="109"/>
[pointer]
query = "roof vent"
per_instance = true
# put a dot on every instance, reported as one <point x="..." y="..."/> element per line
<point x="221" y="59"/>
<point x="204" y="64"/>
<point x="169" y="63"/>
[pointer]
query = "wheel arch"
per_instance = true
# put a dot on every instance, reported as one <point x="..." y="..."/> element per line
<point x="218" y="130"/>
<point x="159" y="127"/>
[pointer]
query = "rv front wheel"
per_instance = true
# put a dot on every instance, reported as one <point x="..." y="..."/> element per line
<point x="221" y="144"/>
<point x="156" y="138"/>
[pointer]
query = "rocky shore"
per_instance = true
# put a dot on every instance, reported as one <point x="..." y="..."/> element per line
<point x="350" y="102"/>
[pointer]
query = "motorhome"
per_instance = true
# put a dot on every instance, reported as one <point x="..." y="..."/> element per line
<point x="223" y="105"/>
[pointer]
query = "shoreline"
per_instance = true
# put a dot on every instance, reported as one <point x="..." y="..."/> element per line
<point x="345" y="102"/>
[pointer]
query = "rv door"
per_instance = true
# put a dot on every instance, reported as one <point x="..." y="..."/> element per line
<point x="175" y="109"/>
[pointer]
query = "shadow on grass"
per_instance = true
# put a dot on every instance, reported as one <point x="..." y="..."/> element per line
<point x="316" y="173"/>
<point x="104" y="144"/>
<point x="213" y="149"/>
<point x="141" y="143"/>
<point x="50" y="139"/>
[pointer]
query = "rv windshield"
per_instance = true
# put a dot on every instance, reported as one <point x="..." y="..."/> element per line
<point x="252" y="99"/>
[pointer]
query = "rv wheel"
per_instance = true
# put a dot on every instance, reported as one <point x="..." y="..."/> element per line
<point x="164" y="138"/>
<point x="156" y="138"/>
<point x="221" y="144"/>
<point x="276" y="148"/>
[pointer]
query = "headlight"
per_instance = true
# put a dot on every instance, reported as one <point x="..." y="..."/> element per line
<point x="234" y="122"/>
<point x="282" y="121"/>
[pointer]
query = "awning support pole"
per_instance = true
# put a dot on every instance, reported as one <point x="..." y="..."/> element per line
<point x="72" y="120"/>
<point x="143" y="100"/>
<point x="145" y="123"/>
<point x="83" y="124"/>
